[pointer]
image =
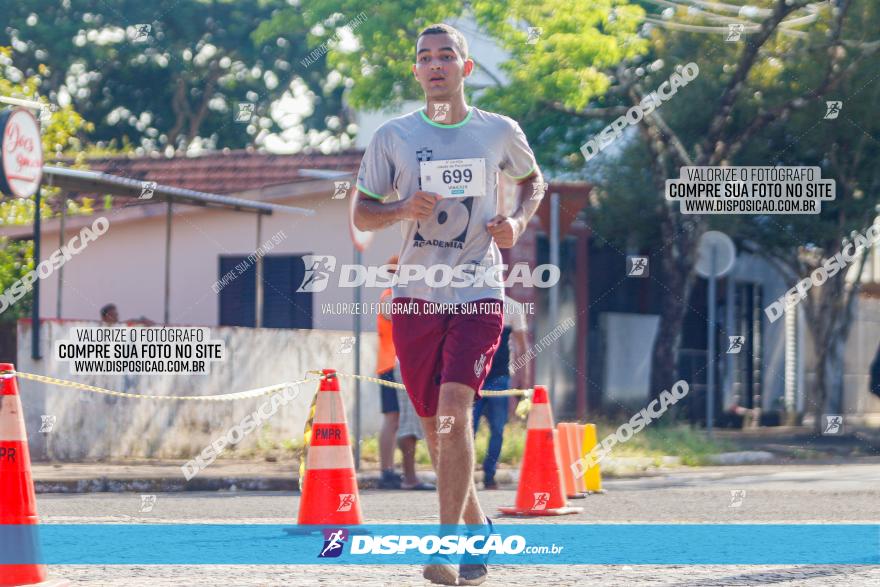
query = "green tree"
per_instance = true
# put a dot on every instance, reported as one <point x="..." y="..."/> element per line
<point x="61" y="134"/>
<point x="761" y="102"/>
<point x="847" y="150"/>
<point x="181" y="80"/>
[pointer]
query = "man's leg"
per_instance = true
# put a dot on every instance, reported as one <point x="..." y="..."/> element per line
<point x="407" y="446"/>
<point x="471" y="341"/>
<point x="496" y="412"/>
<point x="409" y="431"/>
<point x="473" y="514"/>
<point x="478" y="411"/>
<point x="455" y="463"/>
<point x="418" y="341"/>
<point x="440" y="570"/>
<point x="387" y="436"/>
<point x="472" y="508"/>
<point x="388" y="433"/>
<point x="429" y="425"/>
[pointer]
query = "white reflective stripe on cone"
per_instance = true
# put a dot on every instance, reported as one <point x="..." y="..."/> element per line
<point x="540" y="417"/>
<point x="11" y="420"/>
<point x="330" y="457"/>
<point x="329" y="408"/>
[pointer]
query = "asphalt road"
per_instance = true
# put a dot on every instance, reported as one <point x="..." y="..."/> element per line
<point x="782" y="494"/>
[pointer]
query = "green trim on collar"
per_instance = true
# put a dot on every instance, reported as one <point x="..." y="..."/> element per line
<point x="456" y="125"/>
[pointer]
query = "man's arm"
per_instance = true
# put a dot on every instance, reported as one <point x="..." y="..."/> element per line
<point x="372" y="214"/>
<point x="506" y="230"/>
<point x="529" y="193"/>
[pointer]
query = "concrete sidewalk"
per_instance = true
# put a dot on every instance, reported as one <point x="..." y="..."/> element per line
<point x="163" y="475"/>
<point x="160" y="475"/>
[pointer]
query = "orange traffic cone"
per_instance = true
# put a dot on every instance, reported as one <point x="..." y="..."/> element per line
<point x="575" y="439"/>
<point x="540" y="491"/>
<point x="18" y="503"/>
<point x="330" y="491"/>
<point x="569" y="447"/>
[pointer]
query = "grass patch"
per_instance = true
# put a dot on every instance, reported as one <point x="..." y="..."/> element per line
<point x="370" y="452"/>
<point x="678" y="440"/>
<point x="511" y="450"/>
<point x="689" y="444"/>
<point x="806" y="453"/>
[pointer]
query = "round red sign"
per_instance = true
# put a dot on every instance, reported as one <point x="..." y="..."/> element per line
<point x="21" y="153"/>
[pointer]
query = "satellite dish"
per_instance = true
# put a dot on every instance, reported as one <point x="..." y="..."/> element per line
<point x="360" y="238"/>
<point x="725" y="254"/>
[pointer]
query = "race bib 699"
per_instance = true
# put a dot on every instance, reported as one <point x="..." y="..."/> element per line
<point x="454" y="178"/>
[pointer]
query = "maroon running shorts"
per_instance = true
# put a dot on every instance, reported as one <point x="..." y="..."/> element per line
<point x="442" y="343"/>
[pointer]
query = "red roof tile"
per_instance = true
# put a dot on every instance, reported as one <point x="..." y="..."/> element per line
<point x="226" y="172"/>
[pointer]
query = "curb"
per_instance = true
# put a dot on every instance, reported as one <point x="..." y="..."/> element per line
<point x="163" y="485"/>
<point x="215" y="483"/>
<point x="744" y="457"/>
<point x="128" y="481"/>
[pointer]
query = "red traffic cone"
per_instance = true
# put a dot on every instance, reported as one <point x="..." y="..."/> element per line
<point x="18" y="503"/>
<point x="540" y="491"/>
<point x="330" y="491"/>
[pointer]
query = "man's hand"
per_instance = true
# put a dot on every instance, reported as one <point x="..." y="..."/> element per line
<point x="420" y="205"/>
<point x="505" y="230"/>
<point x="370" y="214"/>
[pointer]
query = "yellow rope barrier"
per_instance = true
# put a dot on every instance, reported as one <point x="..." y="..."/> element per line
<point x="257" y="392"/>
<point x="250" y="393"/>
<point x="484" y="393"/>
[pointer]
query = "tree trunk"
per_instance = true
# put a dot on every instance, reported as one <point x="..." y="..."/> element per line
<point x="828" y="391"/>
<point x="677" y="261"/>
<point x="829" y="318"/>
<point x="664" y="360"/>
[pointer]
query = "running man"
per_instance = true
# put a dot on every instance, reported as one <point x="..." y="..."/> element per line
<point x="319" y="272"/>
<point x="334" y="543"/>
<point x="445" y="356"/>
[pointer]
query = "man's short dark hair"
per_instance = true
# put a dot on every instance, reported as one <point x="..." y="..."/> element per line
<point x="107" y="309"/>
<point x="445" y="29"/>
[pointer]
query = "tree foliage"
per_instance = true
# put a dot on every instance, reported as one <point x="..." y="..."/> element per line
<point x="179" y="83"/>
<point x="568" y="65"/>
<point x="762" y="101"/>
<point x="62" y="130"/>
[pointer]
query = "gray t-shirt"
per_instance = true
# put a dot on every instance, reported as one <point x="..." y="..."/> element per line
<point x="456" y="234"/>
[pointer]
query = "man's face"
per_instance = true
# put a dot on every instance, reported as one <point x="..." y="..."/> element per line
<point x="440" y="68"/>
<point x="112" y="316"/>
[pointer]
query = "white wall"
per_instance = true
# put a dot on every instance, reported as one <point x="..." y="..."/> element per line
<point x="629" y="340"/>
<point x="126" y="265"/>
<point x="753" y="268"/>
<point x="92" y="426"/>
<point x="860" y="349"/>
